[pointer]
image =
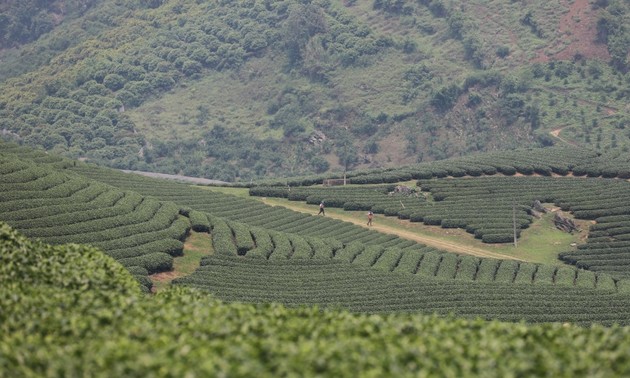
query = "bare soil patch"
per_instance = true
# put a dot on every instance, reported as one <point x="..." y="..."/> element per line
<point x="578" y="33"/>
<point x="162" y="278"/>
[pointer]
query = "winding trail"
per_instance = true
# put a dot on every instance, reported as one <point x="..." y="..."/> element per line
<point x="556" y="134"/>
<point x="386" y="229"/>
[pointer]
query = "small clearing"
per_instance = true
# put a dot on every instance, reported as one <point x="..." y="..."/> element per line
<point x="578" y="34"/>
<point x="556" y="134"/>
<point x="196" y="246"/>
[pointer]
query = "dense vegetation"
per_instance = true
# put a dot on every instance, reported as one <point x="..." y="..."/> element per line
<point x="243" y="89"/>
<point x="59" y="207"/>
<point x="25" y="21"/>
<point x="254" y="242"/>
<point x="560" y="161"/>
<point x="358" y="288"/>
<point x="73" y="311"/>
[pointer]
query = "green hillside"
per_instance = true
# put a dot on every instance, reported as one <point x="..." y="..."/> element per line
<point x="246" y="89"/>
<point x="264" y="254"/>
<point x="279" y="292"/>
<point x="71" y="311"/>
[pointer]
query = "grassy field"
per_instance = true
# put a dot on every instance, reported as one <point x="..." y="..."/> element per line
<point x="232" y="99"/>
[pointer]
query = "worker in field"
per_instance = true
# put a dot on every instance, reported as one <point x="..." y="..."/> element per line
<point x="370" y="216"/>
<point x="321" y="209"/>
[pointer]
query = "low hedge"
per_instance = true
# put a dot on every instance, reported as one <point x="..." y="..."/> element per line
<point x="497" y="238"/>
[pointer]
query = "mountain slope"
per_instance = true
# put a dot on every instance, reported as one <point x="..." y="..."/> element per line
<point x="237" y="90"/>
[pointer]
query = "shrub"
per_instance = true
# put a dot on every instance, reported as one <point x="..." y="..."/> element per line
<point x="497" y="238"/>
<point x="199" y="221"/>
<point x="262" y="191"/>
<point x="593" y="172"/>
<point x="439" y="173"/>
<point x="355" y="206"/>
<point x="560" y="170"/>
<point x="432" y="220"/>
<point x="456" y="172"/>
<point x="609" y="172"/>
<point x="153" y="263"/>
<point x="453" y="223"/>
<point x="489" y="170"/>
<point x="474" y="171"/>
<point x="543" y="170"/>
<point x="579" y="171"/>
<point x="422" y="174"/>
<point x="297" y="196"/>
<point x="222" y="239"/>
<point x="416" y="217"/>
<point x="507" y="170"/>
<point x="405" y="214"/>
<point x="391" y="211"/>
<point x="524" y="169"/>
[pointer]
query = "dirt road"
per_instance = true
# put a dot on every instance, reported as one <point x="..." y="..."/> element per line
<point x="386" y="229"/>
<point x="188" y="179"/>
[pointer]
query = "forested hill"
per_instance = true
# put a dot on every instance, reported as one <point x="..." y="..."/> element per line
<point x="235" y="90"/>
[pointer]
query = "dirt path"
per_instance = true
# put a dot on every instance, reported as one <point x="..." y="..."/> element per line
<point x="423" y="239"/>
<point x="606" y="108"/>
<point x="188" y="179"/>
<point x="556" y="134"/>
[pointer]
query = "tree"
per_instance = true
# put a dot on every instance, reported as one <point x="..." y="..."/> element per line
<point x="392" y="6"/>
<point x="316" y="61"/>
<point x="303" y="22"/>
<point x="456" y="24"/>
<point x="319" y="164"/>
<point x="371" y="147"/>
<point x="473" y="48"/>
<point x="532" y="115"/>
<point x="446" y="97"/>
<point x="114" y="81"/>
<point x="346" y="150"/>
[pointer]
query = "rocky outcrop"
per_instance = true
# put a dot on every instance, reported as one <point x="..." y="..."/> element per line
<point x="564" y="224"/>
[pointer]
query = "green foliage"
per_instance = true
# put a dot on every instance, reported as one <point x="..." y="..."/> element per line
<point x="59" y="208"/>
<point x="529" y="19"/>
<point x="392" y="6"/>
<point x="66" y="319"/>
<point x="122" y="64"/>
<point x="199" y="221"/>
<point x="482" y="206"/>
<point x="612" y="29"/>
<point x="445" y="98"/>
<point x="25" y="21"/>
<point x="363" y="281"/>
<point x="303" y="22"/>
<point x="292" y="261"/>
<point x="68" y="267"/>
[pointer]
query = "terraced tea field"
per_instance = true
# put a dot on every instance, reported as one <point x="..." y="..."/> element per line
<point x="267" y="253"/>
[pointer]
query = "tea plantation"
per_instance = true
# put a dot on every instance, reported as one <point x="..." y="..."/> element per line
<point x="75" y="312"/>
<point x="264" y="255"/>
<point x="489" y="206"/>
